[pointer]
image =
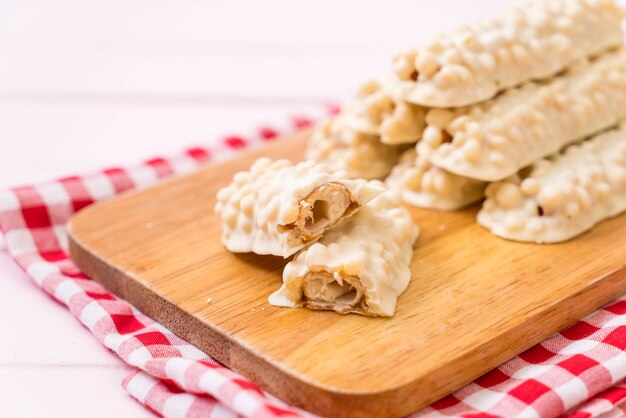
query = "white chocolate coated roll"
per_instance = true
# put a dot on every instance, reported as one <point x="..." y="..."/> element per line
<point x="562" y="196"/>
<point x="334" y="143"/>
<point x="493" y="140"/>
<point x="361" y="266"/>
<point x="529" y="42"/>
<point x="277" y="207"/>
<point x="375" y="111"/>
<point x="423" y="185"/>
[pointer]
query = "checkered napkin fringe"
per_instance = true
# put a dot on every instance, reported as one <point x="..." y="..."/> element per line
<point x="577" y="371"/>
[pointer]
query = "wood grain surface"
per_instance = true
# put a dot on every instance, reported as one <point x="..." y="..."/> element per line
<point x="474" y="300"/>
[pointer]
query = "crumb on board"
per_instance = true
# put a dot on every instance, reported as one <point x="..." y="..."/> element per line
<point x="209" y="300"/>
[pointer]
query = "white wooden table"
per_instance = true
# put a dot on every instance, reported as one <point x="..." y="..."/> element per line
<point x="86" y="84"/>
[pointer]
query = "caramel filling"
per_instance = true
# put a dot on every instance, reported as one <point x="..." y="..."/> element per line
<point x="323" y="208"/>
<point x="342" y="294"/>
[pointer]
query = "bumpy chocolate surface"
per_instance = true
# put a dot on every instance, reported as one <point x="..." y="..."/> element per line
<point x="493" y="140"/>
<point x="361" y="266"/>
<point x="561" y="196"/>
<point x="277" y="207"/>
<point x="529" y="42"/>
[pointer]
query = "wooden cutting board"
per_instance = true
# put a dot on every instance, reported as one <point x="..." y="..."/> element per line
<point x="474" y="300"/>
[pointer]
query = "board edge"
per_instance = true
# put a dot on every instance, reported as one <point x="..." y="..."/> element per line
<point x="232" y="354"/>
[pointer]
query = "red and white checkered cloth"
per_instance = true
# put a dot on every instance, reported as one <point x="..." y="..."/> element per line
<point x="577" y="371"/>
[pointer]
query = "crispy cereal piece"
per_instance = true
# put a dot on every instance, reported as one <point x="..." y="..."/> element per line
<point x="493" y="140"/>
<point x="562" y="196"/>
<point x="530" y="42"/>
<point x="375" y="111"/>
<point x="361" y="266"/>
<point x="278" y="208"/>
<point x="361" y="155"/>
<point x="423" y="185"/>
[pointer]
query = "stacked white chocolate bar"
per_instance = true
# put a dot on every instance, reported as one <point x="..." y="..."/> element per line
<point x="353" y="239"/>
<point x="499" y="101"/>
<point x="528" y="108"/>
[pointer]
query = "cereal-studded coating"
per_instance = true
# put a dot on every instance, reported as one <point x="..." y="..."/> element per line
<point x="375" y="111"/>
<point x="493" y="140"/>
<point x="529" y="42"/>
<point x="563" y="195"/>
<point x="423" y="185"/>
<point x="361" y="266"/>
<point x="334" y="143"/>
<point x="278" y="207"/>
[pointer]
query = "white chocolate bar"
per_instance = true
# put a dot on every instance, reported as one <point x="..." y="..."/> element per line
<point x="493" y="140"/>
<point x="361" y="266"/>
<point x="376" y="112"/>
<point x="423" y="185"/>
<point x="562" y="196"/>
<point x="530" y="42"/>
<point x="278" y="208"/>
<point x="361" y="155"/>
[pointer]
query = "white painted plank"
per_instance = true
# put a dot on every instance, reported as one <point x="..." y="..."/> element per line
<point x="275" y="48"/>
<point x="94" y="392"/>
<point x="43" y="141"/>
<point x="275" y="21"/>
<point x="178" y="77"/>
